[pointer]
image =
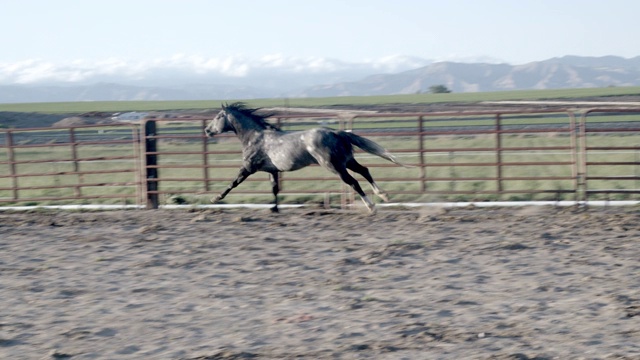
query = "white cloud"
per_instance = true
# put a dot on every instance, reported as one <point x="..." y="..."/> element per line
<point x="33" y="71"/>
<point x="38" y="71"/>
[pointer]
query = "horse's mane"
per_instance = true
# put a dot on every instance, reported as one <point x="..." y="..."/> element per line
<point x="252" y="114"/>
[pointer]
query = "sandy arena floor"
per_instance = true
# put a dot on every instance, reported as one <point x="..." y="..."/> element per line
<point x="524" y="283"/>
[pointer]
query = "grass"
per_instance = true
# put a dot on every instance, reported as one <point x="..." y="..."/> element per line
<point x="119" y="106"/>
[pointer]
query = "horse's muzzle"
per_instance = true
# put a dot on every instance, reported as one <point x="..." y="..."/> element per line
<point x="209" y="133"/>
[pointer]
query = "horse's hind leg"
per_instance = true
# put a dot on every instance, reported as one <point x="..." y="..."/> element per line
<point x="324" y="159"/>
<point x="351" y="181"/>
<point x="355" y="166"/>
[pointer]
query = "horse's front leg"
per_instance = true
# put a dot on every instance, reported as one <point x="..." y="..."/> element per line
<point x="275" y="187"/>
<point x="242" y="175"/>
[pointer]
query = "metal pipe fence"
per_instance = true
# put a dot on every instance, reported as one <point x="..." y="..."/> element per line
<point x="609" y="169"/>
<point x="83" y="163"/>
<point x="457" y="156"/>
<point x="454" y="167"/>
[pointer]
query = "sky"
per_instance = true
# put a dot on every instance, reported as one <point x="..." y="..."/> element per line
<point x="215" y="34"/>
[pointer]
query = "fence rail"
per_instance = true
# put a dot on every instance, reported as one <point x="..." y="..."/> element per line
<point x="469" y="156"/>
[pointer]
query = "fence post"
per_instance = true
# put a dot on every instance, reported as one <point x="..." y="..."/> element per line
<point x="74" y="157"/>
<point x="281" y="175"/>
<point x="11" y="159"/>
<point x="150" y="164"/>
<point x="423" y="171"/>
<point x="582" y="146"/>
<point x="574" y="134"/>
<point x="499" y="153"/>
<point x="205" y="156"/>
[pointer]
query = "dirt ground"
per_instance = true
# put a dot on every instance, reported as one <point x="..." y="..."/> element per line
<point x="425" y="283"/>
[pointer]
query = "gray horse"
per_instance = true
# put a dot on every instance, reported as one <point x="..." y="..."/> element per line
<point x="267" y="148"/>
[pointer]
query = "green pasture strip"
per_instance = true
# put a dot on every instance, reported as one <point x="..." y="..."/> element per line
<point x="120" y="106"/>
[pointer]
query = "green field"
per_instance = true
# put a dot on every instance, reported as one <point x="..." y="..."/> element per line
<point x="116" y="106"/>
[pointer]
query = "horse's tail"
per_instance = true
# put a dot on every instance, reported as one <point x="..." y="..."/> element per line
<point x="371" y="147"/>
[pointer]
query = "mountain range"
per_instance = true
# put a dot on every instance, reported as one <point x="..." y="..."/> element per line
<point x="409" y="76"/>
<point x="556" y="73"/>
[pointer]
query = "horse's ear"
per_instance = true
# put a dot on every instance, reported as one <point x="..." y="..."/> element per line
<point x="224" y="107"/>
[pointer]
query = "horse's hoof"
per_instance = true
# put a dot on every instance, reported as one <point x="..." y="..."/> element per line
<point x="215" y="200"/>
<point x="384" y="197"/>
<point x="274" y="210"/>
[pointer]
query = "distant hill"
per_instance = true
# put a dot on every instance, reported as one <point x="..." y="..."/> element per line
<point x="564" y="72"/>
<point x="119" y="92"/>
<point x="557" y="73"/>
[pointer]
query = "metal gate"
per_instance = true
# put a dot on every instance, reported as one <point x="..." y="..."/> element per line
<point x="609" y="170"/>
<point x="83" y="164"/>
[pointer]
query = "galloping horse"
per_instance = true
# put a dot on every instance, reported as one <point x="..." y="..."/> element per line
<point x="267" y="148"/>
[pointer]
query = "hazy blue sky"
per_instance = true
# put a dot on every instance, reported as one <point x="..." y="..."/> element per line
<point x="514" y="31"/>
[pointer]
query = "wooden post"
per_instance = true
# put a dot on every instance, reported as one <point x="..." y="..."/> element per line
<point x="151" y="161"/>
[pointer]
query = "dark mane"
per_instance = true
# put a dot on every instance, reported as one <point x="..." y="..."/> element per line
<point x="251" y="113"/>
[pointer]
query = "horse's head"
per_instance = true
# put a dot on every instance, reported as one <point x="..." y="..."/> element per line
<point x="219" y="124"/>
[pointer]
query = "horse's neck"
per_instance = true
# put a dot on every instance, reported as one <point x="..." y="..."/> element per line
<point x="246" y="129"/>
